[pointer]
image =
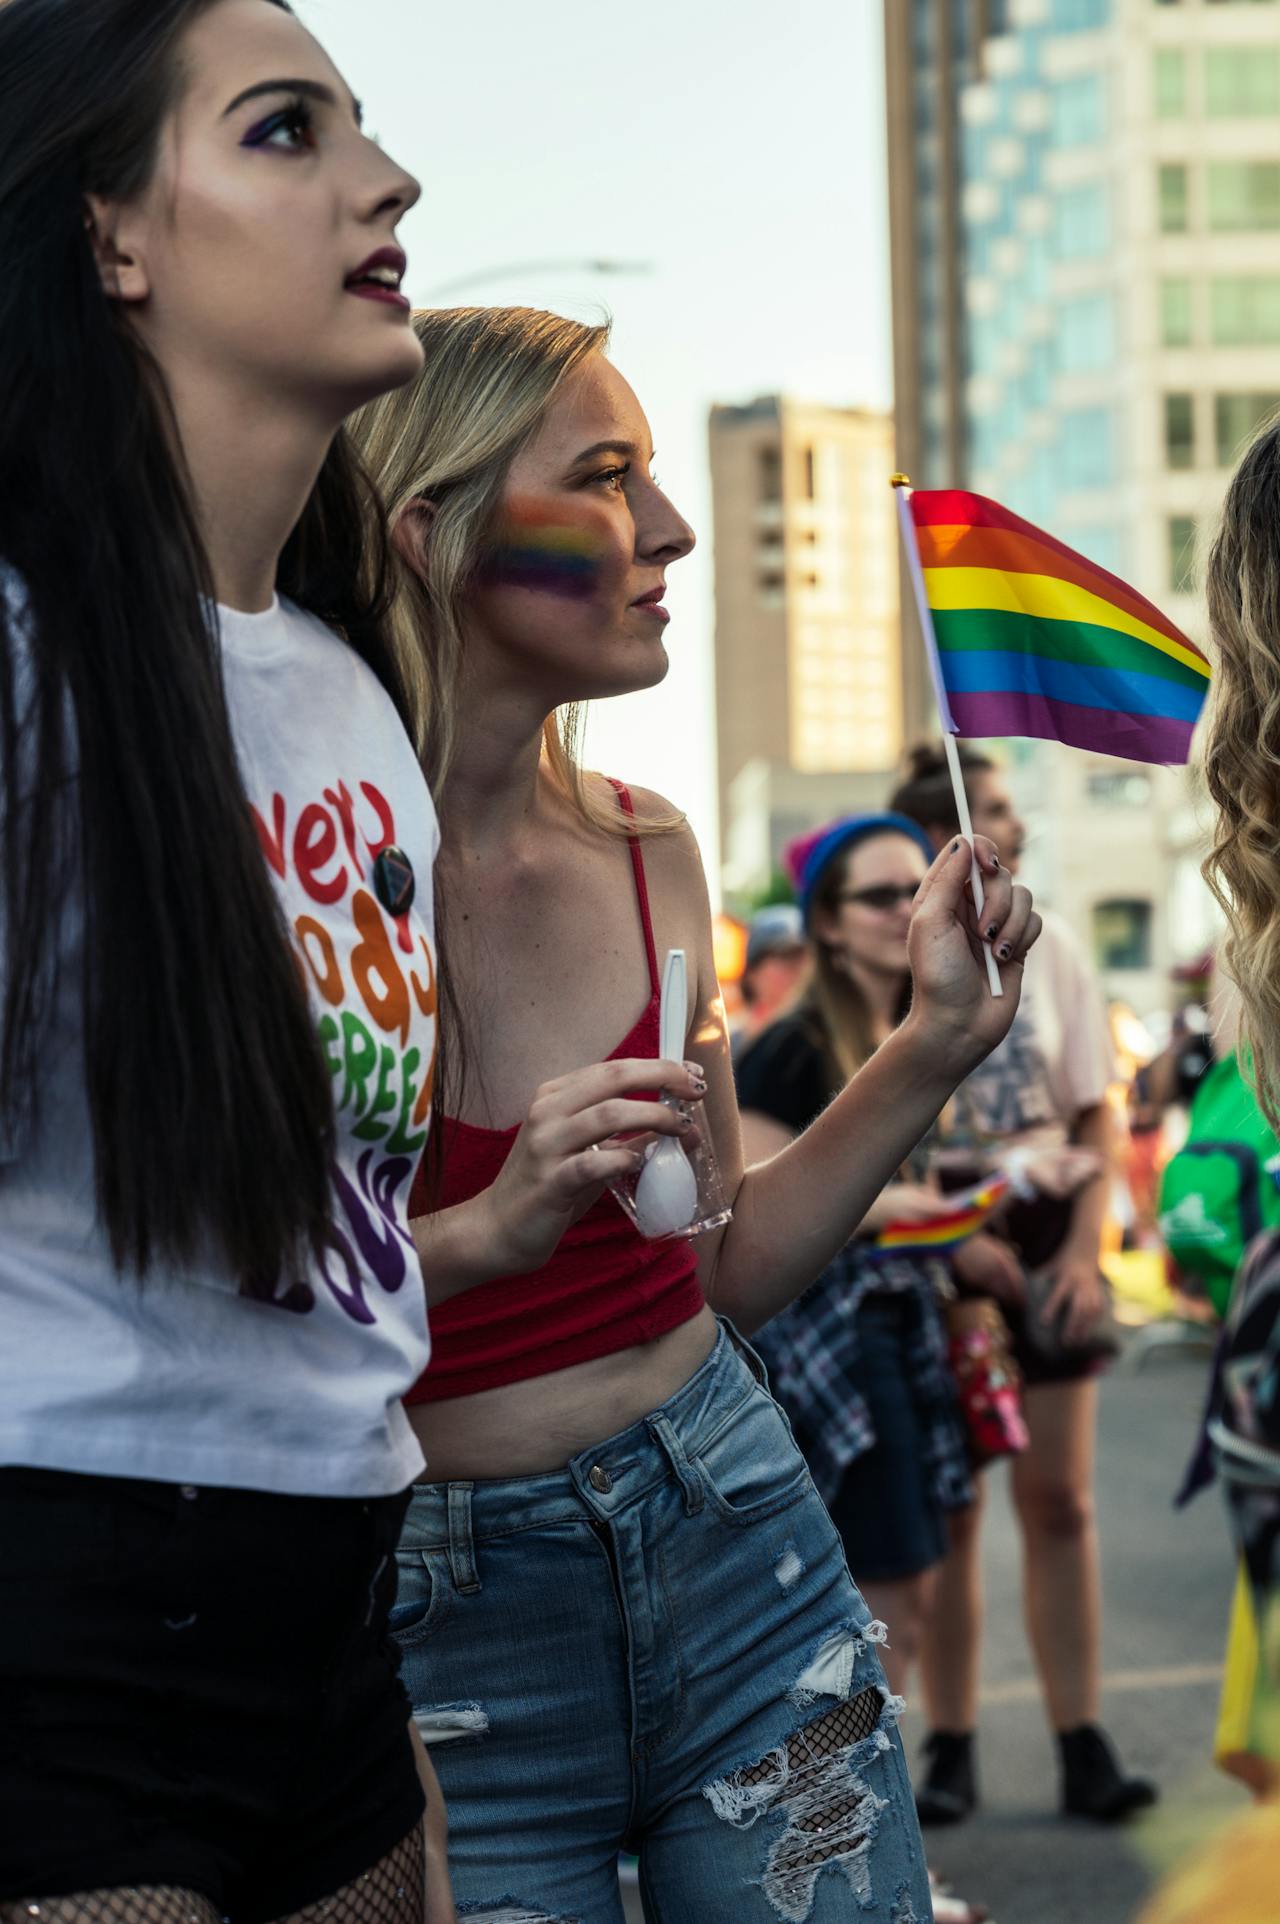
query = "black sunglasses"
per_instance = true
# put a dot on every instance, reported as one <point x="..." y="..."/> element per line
<point x="884" y="897"/>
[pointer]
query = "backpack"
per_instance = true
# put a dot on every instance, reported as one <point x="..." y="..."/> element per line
<point x="1222" y="1188"/>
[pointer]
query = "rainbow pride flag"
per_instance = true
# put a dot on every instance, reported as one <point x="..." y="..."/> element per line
<point x="1032" y="639"/>
<point x="958" y="1218"/>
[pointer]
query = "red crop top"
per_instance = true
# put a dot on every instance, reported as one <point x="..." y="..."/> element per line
<point x="605" y="1289"/>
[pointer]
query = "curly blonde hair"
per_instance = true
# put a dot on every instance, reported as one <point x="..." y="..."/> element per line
<point x="1242" y="752"/>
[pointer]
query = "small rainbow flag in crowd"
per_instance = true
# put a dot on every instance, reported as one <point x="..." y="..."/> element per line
<point x="959" y="1217"/>
<point x="1032" y="639"/>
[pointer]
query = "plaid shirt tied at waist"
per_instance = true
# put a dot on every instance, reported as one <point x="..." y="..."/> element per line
<point x="812" y="1355"/>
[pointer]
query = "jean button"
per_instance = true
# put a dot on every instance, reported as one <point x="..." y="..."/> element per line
<point x="189" y="1492"/>
<point x="599" y="1479"/>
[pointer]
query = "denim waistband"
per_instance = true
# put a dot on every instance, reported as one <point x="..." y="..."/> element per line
<point x="607" y="1478"/>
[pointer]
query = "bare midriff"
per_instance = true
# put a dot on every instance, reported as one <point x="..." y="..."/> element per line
<point x="540" y="1424"/>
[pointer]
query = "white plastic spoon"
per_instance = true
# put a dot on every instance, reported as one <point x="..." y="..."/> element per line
<point x="667" y="1192"/>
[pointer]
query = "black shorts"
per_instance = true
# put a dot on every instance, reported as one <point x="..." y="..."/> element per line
<point x="1038" y="1230"/>
<point x="197" y="1689"/>
<point x="1037" y="1373"/>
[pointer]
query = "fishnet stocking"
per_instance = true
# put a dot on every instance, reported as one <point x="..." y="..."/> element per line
<point x="848" y="1723"/>
<point x="824" y="1825"/>
<point x="823" y="1806"/>
<point x="390" y="1893"/>
<point x="146" y="1904"/>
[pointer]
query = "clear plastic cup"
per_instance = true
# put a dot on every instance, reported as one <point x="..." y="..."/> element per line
<point x="656" y="1201"/>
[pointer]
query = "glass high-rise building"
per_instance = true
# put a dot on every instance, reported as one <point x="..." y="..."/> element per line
<point x="933" y="49"/>
<point x="1085" y="204"/>
<point x="1100" y="192"/>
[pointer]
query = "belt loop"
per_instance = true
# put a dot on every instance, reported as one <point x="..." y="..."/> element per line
<point x="686" y="1473"/>
<point x="753" y="1362"/>
<point x="462" y="1544"/>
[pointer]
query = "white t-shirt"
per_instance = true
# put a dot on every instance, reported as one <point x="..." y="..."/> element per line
<point x="1056" y="1060"/>
<point x="179" y="1376"/>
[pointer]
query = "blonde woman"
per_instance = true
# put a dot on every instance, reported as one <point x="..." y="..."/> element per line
<point x="1242" y="752"/>
<point x="624" y="1614"/>
<point x="1242" y="765"/>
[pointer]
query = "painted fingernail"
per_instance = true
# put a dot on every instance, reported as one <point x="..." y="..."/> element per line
<point x="1005" y="951"/>
<point x="955" y="845"/>
<point x="684" y="1122"/>
<point x="993" y="929"/>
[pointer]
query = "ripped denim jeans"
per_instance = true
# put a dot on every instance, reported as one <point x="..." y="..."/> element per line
<point x="659" y="1649"/>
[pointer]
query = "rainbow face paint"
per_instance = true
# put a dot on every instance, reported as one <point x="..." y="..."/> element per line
<point x="539" y="549"/>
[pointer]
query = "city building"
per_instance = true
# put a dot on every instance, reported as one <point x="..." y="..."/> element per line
<point x="1116" y="207"/>
<point x="809" y="706"/>
<point x="933" y="49"/>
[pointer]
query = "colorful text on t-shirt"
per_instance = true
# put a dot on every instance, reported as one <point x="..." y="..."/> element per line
<point x="374" y="979"/>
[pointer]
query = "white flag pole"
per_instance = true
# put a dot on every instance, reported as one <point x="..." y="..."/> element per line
<point x="902" y="495"/>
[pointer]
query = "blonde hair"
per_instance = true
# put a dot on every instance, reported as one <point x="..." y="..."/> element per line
<point x="449" y="439"/>
<point x="1242" y="752"/>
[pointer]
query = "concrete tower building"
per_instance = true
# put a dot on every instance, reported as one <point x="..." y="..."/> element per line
<point x="808" y="659"/>
<point x="933" y="49"/>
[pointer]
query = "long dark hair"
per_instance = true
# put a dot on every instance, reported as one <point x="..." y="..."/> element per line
<point x="208" y="1098"/>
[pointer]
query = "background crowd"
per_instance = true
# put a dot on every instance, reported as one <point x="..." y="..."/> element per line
<point x="422" y="1391"/>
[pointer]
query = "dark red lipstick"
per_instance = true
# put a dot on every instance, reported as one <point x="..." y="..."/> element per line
<point x="378" y="278"/>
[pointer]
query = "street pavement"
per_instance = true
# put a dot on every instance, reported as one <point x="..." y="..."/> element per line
<point x="1167" y="1579"/>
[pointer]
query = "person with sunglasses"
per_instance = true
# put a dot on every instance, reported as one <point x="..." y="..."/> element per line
<point x="859" y="1362"/>
<point x="1045" y="1088"/>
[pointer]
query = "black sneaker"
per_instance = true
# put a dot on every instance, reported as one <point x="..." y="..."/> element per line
<point x="950" y="1788"/>
<point x="1093" y="1782"/>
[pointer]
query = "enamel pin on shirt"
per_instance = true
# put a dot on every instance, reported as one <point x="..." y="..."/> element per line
<point x="393" y="881"/>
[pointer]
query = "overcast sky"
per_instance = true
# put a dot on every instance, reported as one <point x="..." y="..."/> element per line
<point x="734" y="146"/>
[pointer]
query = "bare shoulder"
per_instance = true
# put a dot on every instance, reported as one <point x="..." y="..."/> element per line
<point x="674" y="852"/>
<point x="652" y="807"/>
<point x="678" y="893"/>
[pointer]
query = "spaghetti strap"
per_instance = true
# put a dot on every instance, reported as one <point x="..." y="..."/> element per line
<point x="642" y="887"/>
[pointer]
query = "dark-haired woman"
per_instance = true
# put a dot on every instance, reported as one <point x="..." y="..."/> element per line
<point x="218" y="1025"/>
<point x="1046" y="1084"/>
